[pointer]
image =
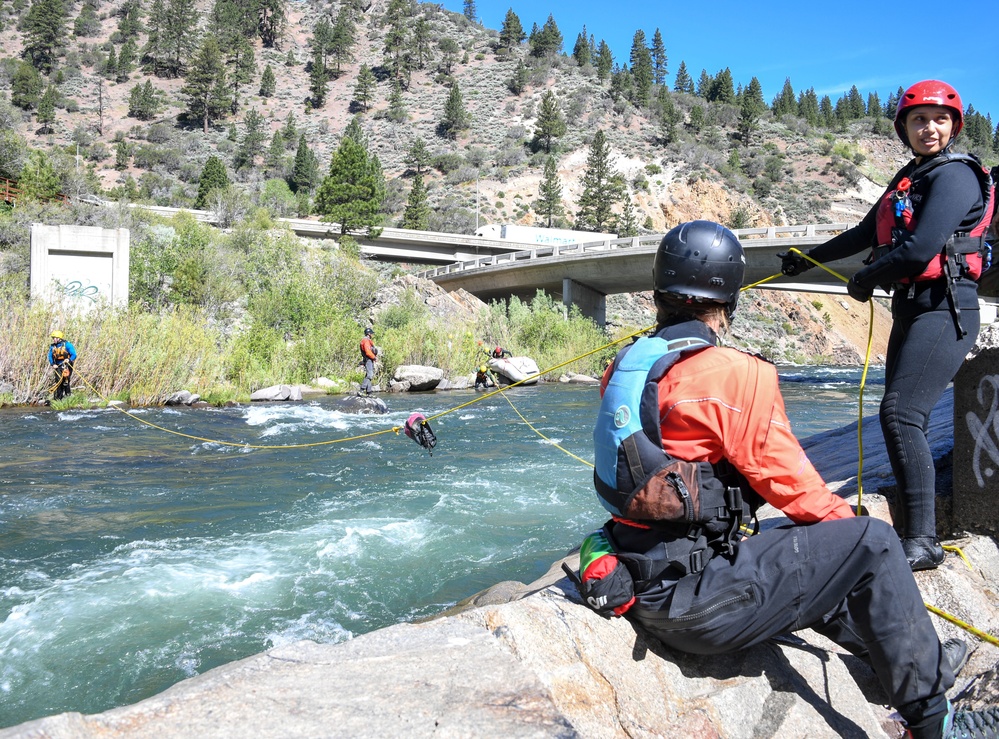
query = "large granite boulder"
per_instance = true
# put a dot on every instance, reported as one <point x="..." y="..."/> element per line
<point x="360" y="404"/>
<point x="277" y="392"/>
<point x="416" y="378"/>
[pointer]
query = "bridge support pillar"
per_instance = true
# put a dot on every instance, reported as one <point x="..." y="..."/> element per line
<point x="590" y="302"/>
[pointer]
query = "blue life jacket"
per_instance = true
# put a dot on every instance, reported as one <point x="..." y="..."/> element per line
<point x="627" y="440"/>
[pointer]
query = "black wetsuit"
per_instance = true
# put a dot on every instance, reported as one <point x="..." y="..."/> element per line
<point x="924" y="350"/>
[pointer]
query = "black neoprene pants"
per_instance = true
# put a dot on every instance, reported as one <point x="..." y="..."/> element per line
<point x="846" y="579"/>
<point x="924" y="354"/>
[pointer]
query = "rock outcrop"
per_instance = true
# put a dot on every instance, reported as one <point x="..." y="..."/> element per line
<point x="531" y="661"/>
<point x="277" y="392"/>
<point x="415" y="378"/>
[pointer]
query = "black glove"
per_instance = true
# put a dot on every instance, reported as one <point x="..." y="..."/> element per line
<point x="793" y="264"/>
<point x="861" y="294"/>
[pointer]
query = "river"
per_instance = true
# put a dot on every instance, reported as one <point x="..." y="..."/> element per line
<point x="131" y="559"/>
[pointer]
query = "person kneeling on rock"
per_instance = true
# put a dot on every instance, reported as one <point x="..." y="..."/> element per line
<point x="687" y="574"/>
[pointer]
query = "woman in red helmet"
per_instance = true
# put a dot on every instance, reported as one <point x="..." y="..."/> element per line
<point x="927" y="232"/>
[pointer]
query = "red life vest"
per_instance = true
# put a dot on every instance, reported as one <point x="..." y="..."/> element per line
<point x="895" y="218"/>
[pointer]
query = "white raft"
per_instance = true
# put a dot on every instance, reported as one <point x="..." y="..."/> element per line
<point x="514" y="369"/>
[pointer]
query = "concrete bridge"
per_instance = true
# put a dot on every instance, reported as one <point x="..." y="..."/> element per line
<point x="584" y="274"/>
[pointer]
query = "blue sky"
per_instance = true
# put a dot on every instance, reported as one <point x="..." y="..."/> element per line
<point x="828" y="46"/>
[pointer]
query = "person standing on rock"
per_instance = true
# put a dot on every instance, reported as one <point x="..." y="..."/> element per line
<point x="927" y="232"/>
<point x="699" y="585"/>
<point x="369" y="355"/>
<point x="62" y="355"/>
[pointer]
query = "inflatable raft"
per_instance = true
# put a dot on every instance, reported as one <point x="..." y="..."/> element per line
<point x="514" y="369"/>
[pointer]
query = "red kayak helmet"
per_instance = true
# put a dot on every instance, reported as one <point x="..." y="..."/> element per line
<point x="929" y="92"/>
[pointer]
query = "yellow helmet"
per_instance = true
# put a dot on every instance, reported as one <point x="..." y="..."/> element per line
<point x="57" y="335"/>
<point x="482" y="368"/>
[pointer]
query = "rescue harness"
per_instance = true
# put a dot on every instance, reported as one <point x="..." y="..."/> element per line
<point x="964" y="254"/>
<point x="699" y="506"/>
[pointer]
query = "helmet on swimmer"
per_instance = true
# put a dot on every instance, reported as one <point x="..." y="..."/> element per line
<point x="369" y="332"/>
<point x="929" y="92"/>
<point x="483" y="368"/>
<point x="699" y="262"/>
<point x="58" y="335"/>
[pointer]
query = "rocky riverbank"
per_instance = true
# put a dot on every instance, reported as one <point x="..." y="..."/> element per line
<point x="529" y="660"/>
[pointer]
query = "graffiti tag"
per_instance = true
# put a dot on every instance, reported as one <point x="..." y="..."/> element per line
<point x="75" y="289"/>
<point x="985" y="433"/>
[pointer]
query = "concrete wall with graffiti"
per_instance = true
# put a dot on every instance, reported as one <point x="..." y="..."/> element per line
<point x="976" y="443"/>
<point x="79" y="266"/>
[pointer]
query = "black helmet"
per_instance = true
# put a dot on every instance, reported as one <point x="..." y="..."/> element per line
<point x="369" y="332"/>
<point x="700" y="261"/>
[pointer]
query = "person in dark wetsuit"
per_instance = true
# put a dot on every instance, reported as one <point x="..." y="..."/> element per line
<point x="936" y="196"/>
<point x="841" y="575"/>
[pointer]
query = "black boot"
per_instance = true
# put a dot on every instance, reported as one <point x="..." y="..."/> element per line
<point x="955" y="652"/>
<point x="923" y="552"/>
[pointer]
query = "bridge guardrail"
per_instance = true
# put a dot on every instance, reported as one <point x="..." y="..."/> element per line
<point x="770" y="232"/>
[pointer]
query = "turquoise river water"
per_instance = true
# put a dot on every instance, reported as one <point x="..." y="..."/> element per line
<point x="131" y="559"/>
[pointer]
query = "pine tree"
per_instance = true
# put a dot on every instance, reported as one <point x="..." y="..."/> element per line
<point x="241" y="66"/>
<point x="26" y="86"/>
<point x="44" y="28"/>
<point x="750" y="109"/>
<point x="252" y="144"/>
<point x="274" y="162"/>
<point x="669" y="117"/>
<point x="581" y="51"/>
<point x="605" y="61"/>
<point x="213" y="177"/>
<point x="722" y="88"/>
<point x="142" y="102"/>
<point x="305" y="175"/>
<point x="121" y="156"/>
<point x="318" y="81"/>
<point x="827" y="112"/>
<point x="548" y="41"/>
<point x="289" y="132"/>
<point x="353" y="191"/>
<point x="683" y="82"/>
<point x="518" y="82"/>
<point x="550" y="124"/>
<point x="111" y="65"/>
<point x="364" y="91"/>
<point x="171" y="36"/>
<point x="45" y="114"/>
<point x="659" y="59"/>
<point x="271" y="21"/>
<point x="397" y="106"/>
<point x="549" y="202"/>
<point x="126" y="60"/>
<point x="627" y="222"/>
<point x="417" y="156"/>
<point x="601" y="187"/>
<point x="512" y="32"/>
<point x="449" y="53"/>
<point x="468" y="10"/>
<point x="641" y="70"/>
<point x="808" y="106"/>
<point x="456" y="118"/>
<point x="205" y="88"/>
<point x="784" y="103"/>
<point x="38" y="180"/>
<point x="704" y="84"/>
<point x="417" y="213"/>
<point x="87" y="22"/>
<point x="422" y="36"/>
<point x="397" y="18"/>
<point x="268" y="83"/>
<point x="342" y="40"/>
